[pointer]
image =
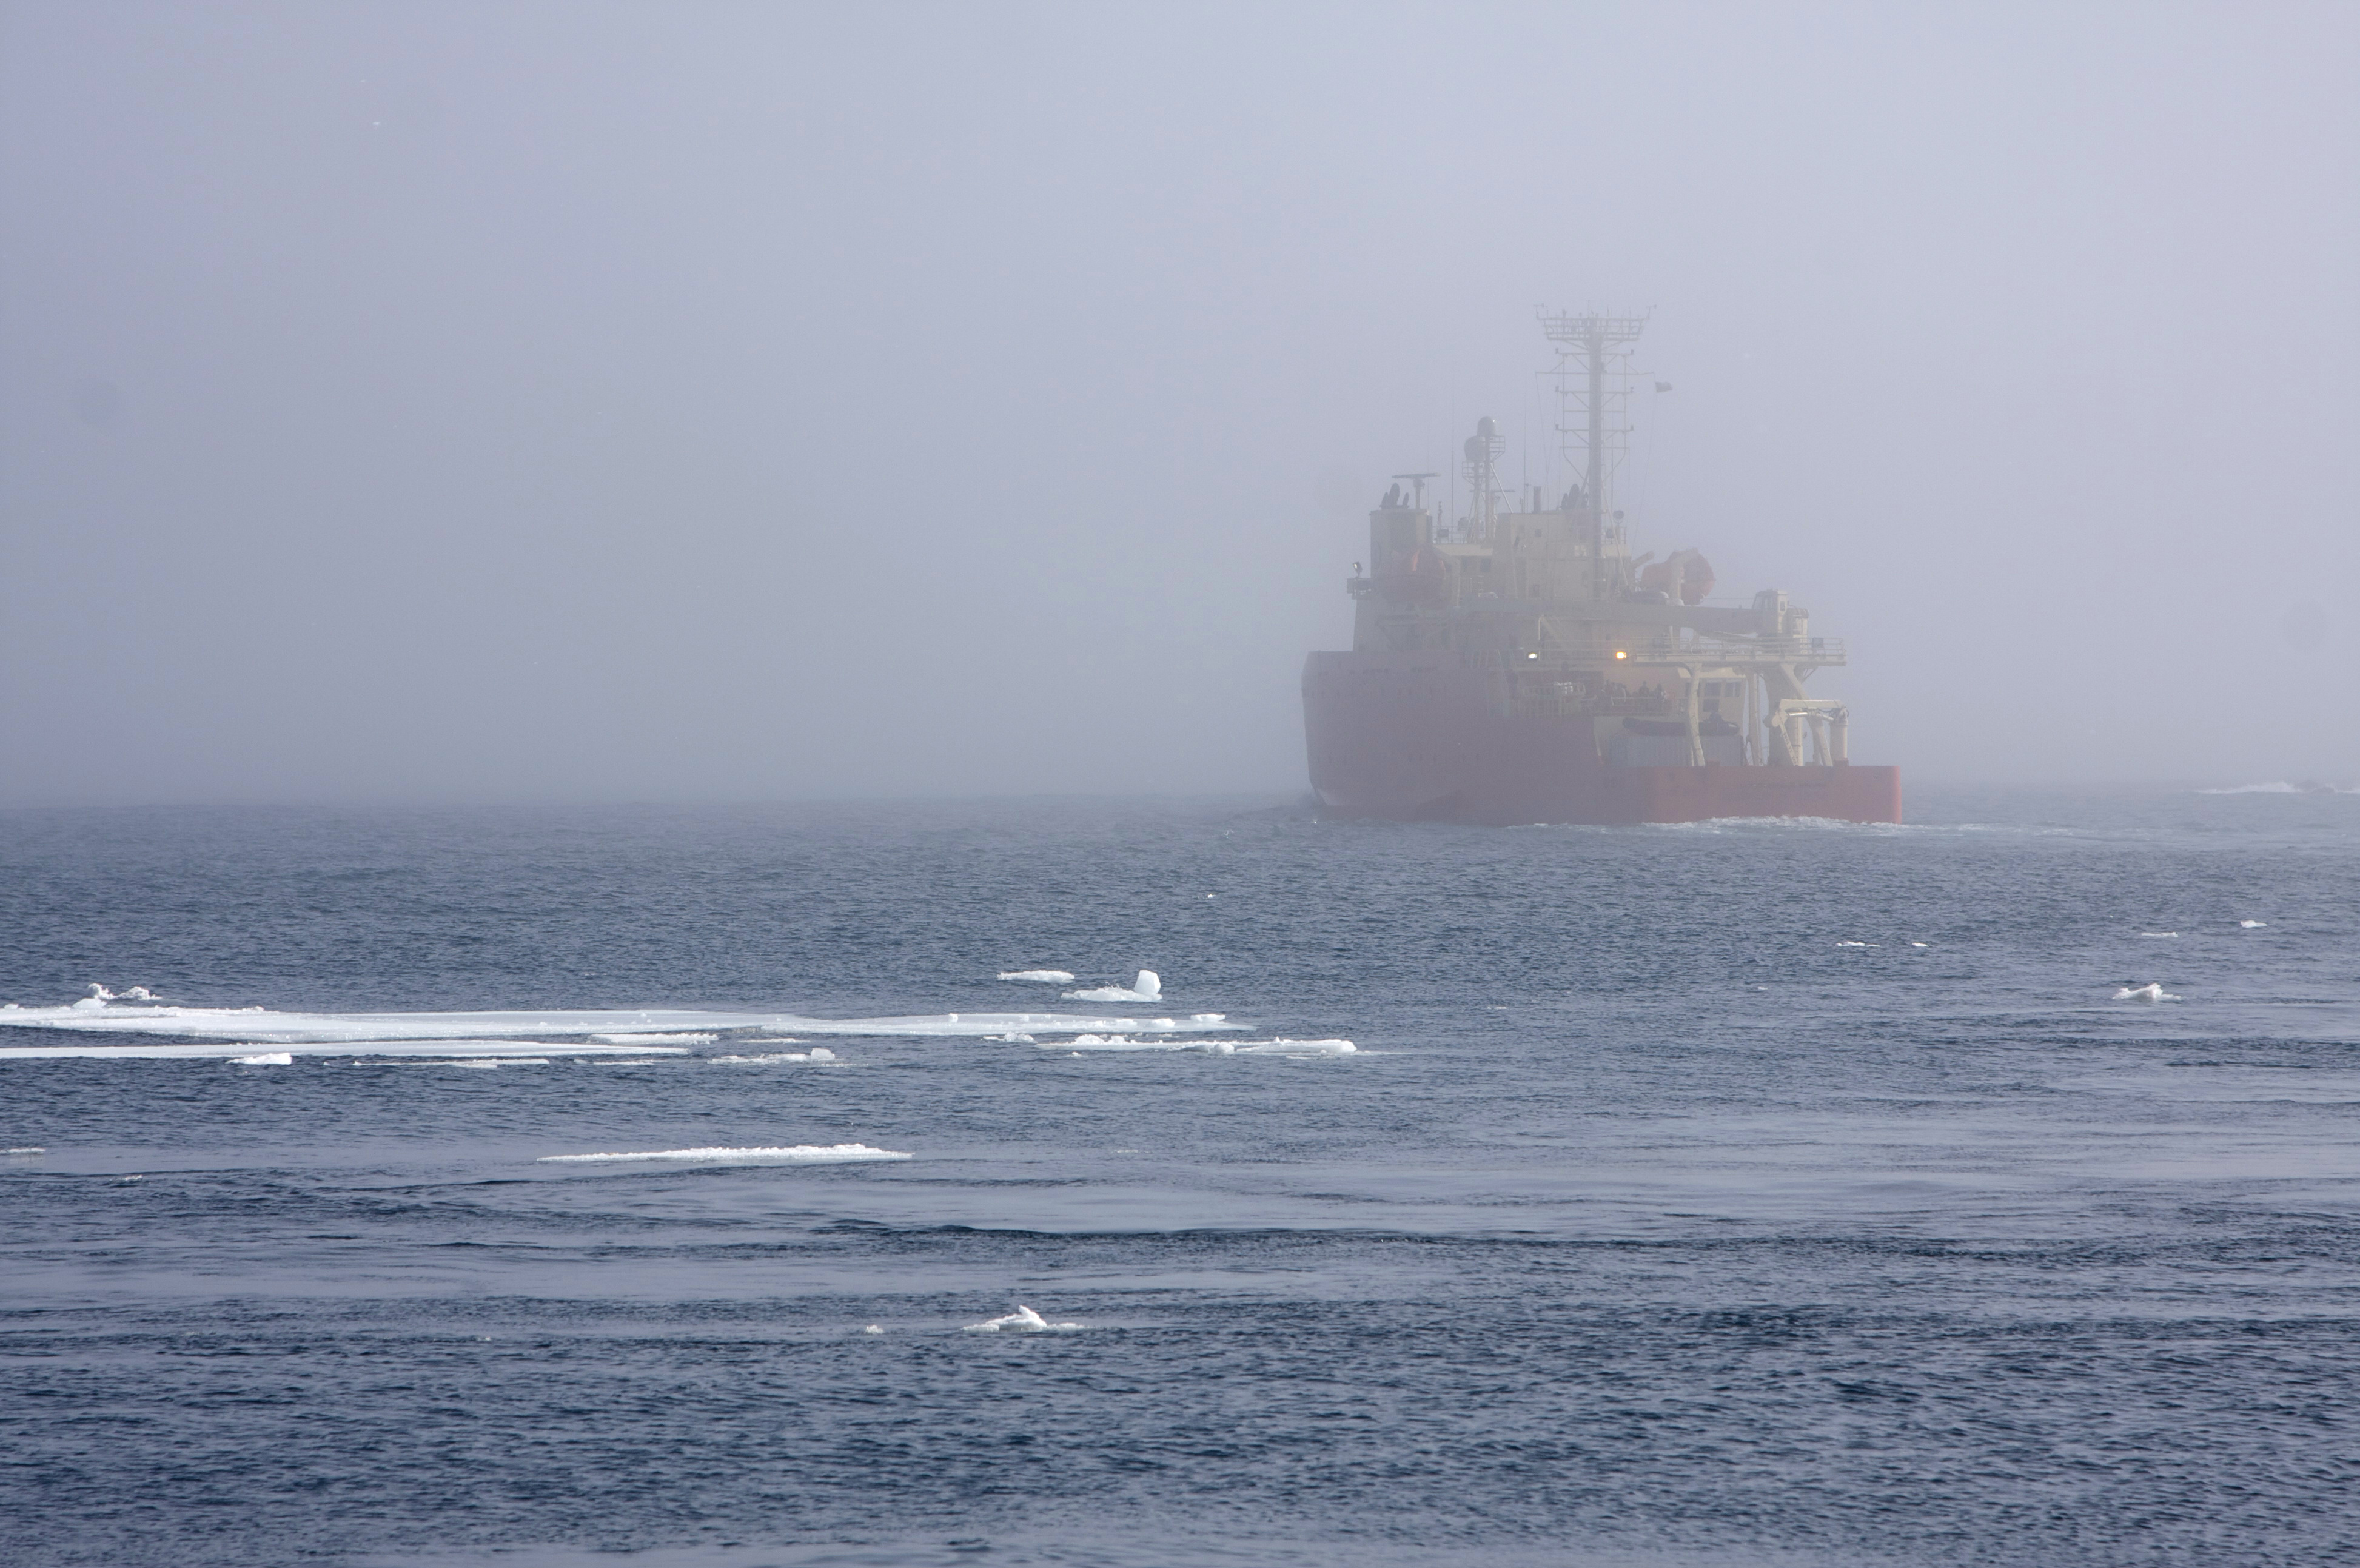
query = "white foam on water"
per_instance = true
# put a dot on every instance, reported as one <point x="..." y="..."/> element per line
<point x="1011" y="1038"/>
<point x="1040" y="976"/>
<point x="874" y="1328"/>
<point x="1024" y="1320"/>
<point x="28" y="1149"/>
<point x="2173" y="934"/>
<point x="1855" y="944"/>
<point x="486" y="1063"/>
<point x="267" y="1059"/>
<point x="1147" y="987"/>
<point x="791" y="1154"/>
<point x="655" y="1038"/>
<point x="253" y="1027"/>
<point x="2252" y="925"/>
<point x="2148" y="992"/>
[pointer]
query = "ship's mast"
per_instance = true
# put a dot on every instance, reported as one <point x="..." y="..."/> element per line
<point x="1593" y="394"/>
<point x="1483" y="450"/>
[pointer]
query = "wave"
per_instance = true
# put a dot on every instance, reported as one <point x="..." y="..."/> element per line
<point x="790" y="1154"/>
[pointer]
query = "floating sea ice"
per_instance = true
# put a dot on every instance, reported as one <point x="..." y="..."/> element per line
<point x="1855" y="944"/>
<point x="795" y="1154"/>
<point x="2148" y="992"/>
<point x="272" y="1059"/>
<point x="653" y="1038"/>
<point x="1148" y="987"/>
<point x="1921" y="944"/>
<point x="2160" y="933"/>
<point x="817" y="1053"/>
<point x="1040" y="976"/>
<point x="2253" y="925"/>
<point x="28" y="1149"/>
<point x="1297" y="1048"/>
<point x="874" y="1328"/>
<point x="1011" y="1038"/>
<point x="1024" y="1320"/>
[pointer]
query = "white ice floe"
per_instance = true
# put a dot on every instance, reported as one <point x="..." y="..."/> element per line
<point x="1116" y="1042"/>
<point x="1855" y="944"/>
<point x="2160" y="933"/>
<point x="1921" y="944"/>
<point x="253" y="1027"/>
<point x="817" y="1053"/>
<point x="792" y="1154"/>
<point x="2148" y="992"/>
<point x="484" y="1064"/>
<point x="874" y="1328"/>
<point x="28" y="1149"/>
<point x="1024" y="1320"/>
<point x="1040" y="976"/>
<point x="1011" y="1038"/>
<point x="267" y="1058"/>
<point x="230" y="1051"/>
<point x="1147" y="987"/>
<point x="2252" y="925"/>
<point x="654" y="1039"/>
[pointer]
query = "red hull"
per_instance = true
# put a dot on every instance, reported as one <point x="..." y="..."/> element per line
<point x="1418" y="738"/>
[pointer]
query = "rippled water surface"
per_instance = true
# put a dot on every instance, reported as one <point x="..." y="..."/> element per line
<point x="1774" y="1193"/>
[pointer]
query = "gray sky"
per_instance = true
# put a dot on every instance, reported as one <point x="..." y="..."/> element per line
<point x="568" y="401"/>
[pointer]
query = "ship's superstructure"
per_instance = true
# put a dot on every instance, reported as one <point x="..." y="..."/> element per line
<point x="1520" y="665"/>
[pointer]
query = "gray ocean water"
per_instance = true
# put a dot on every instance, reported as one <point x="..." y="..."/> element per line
<point x="1778" y="1194"/>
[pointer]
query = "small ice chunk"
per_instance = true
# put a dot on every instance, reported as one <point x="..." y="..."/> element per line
<point x="1921" y="944"/>
<point x="1208" y="1018"/>
<point x="1040" y="976"/>
<point x="28" y="1148"/>
<point x="1855" y="944"/>
<point x="2148" y="992"/>
<point x="653" y="1038"/>
<point x="2252" y="925"/>
<point x="796" y="1154"/>
<point x="1147" y="987"/>
<point x="2159" y="933"/>
<point x="874" y="1328"/>
<point x="1024" y="1320"/>
<point x="271" y="1059"/>
<point x="1300" y="1047"/>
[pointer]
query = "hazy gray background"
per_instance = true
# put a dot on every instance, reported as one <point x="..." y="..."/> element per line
<point x="712" y="400"/>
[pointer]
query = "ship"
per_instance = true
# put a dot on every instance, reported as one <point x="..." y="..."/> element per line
<point x="1518" y="665"/>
